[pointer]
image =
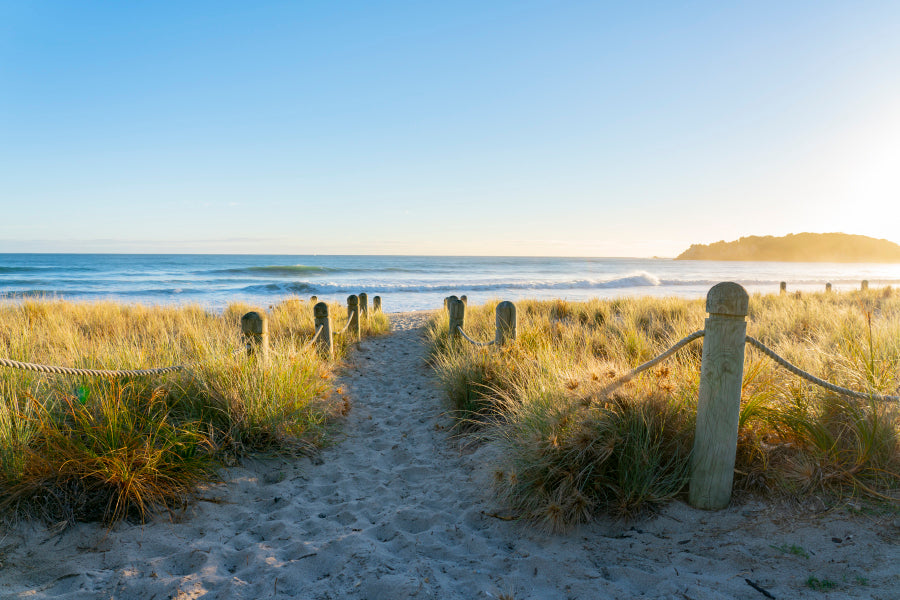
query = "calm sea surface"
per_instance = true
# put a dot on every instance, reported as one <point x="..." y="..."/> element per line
<point x="403" y="282"/>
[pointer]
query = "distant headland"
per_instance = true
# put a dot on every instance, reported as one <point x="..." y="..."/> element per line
<point x="798" y="247"/>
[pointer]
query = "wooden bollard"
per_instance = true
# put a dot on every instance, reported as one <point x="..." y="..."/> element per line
<point x="353" y="315"/>
<point x="376" y="304"/>
<point x="864" y="285"/>
<point x="783" y="287"/>
<point x="255" y="328"/>
<point x="322" y="319"/>
<point x="363" y="306"/>
<point x="446" y="301"/>
<point x="719" y="402"/>
<point x="506" y="323"/>
<point x="828" y="287"/>
<point x="464" y="299"/>
<point x="313" y="299"/>
<point x="457" y="316"/>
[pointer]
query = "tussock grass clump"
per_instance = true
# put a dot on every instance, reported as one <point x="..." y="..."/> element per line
<point x="570" y="451"/>
<point x="84" y="448"/>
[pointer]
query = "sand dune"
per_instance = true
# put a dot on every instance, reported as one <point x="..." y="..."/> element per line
<point x="400" y="509"/>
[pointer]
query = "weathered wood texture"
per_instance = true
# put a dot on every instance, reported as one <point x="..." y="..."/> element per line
<point x="363" y="306"/>
<point x="324" y="342"/>
<point x="353" y="315"/>
<point x="719" y="402"/>
<point x="506" y="323"/>
<point x="255" y="329"/>
<point x="457" y="318"/>
<point x="376" y="304"/>
<point x="465" y="299"/>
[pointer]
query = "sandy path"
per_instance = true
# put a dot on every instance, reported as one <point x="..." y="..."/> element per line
<point x="397" y="510"/>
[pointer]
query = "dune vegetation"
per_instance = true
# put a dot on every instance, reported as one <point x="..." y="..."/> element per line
<point x="84" y="448"/>
<point x="571" y="450"/>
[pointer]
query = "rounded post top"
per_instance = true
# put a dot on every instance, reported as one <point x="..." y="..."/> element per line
<point x="728" y="298"/>
<point x="320" y="310"/>
<point x="253" y="322"/>
<point x="352" y="300"/>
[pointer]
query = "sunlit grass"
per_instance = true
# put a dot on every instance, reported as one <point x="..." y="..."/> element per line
<point x="76" y="447"/>
<point x="569" y="451"/>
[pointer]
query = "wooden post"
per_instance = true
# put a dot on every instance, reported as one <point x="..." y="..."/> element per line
<point x="446" y="300"/>
<point x="506" y="323"/>
<point x="313" y="299"/>
<point x="353" y="315"/>
<point x="376" y="304"/>
<point x="324" y="342"/>
<point x="828" y="287"/>
<point x="363" y="306"/>
<point x="457" y="316"/>
<point x="719" y="402"/>
<point x="465" y="299"/>
<point x="864" y="285"/>
<point x="255" y="328"/>
<point x="783" y="287"/>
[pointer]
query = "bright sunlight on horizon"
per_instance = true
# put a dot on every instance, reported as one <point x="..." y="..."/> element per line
<point x="509" y="128"/>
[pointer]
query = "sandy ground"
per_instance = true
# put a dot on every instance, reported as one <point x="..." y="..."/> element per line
<point x="400" y="509"/>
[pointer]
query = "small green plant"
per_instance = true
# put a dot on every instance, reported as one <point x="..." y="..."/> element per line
<point x="820" y="585"/>
<point x="792" y="549"/>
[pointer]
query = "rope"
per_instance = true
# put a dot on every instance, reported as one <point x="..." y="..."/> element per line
<point x="651" y="363"/>
<point x="5" y="362"/>
<point x="482" y="344"/>
<point x="349" y="320"/>
<point x="309" y="344"/>
<point x="812" y="378"/>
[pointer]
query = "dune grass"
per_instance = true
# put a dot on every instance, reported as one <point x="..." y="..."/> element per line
<point x="570" y="451"/>
<point x="75" y="448"/>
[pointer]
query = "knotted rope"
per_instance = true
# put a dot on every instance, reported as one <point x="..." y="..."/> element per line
<point x="5" y="362"/>
<point x="482" y="344"/>
<point x="812" y="378"/>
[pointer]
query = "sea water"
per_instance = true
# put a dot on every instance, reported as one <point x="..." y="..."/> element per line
<point x="404" y="282"/>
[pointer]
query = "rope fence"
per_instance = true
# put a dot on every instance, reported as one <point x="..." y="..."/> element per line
<point x="719" y="392"/>
<point x="254" y="328"/>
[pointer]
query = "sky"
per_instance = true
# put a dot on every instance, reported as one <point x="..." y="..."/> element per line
<point x="458" y="128"/>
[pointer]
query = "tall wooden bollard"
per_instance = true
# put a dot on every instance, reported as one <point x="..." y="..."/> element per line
<point x="457" y="316"/>
<point x="353" y="315"/>
<point x="363" y="306"/>
<point x="313" y="300"/>
<point x="506" y="323"/>
<point x="376" y="304"/>
<point x="324" y="342"/>
<point x="255" y="328"/>
<point x="864" y="285"/>
<point x="783" y="287"/>
<point x="464" y="299"/>
<point x="719" y="402"/>
<point x="446" y="302"/>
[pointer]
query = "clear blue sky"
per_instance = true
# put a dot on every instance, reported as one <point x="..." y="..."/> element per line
<point x="525" y="127"/>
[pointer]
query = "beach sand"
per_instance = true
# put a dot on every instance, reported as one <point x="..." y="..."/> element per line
<point x="399" y="508"/>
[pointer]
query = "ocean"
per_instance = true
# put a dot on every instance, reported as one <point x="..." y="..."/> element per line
<point x="404" y="282"/>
